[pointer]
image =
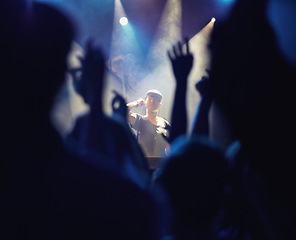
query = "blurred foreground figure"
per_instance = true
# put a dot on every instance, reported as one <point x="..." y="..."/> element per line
<point x="46" y="192"/>
<point x="195" y="176"/>
<point x="97" y="133"/>
<point x="253" y="91"/>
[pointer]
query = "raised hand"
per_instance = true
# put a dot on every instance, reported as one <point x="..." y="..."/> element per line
<point x="200" y="122"/>
<point x="138" y="103"/>
<point x="181" y="60"/>
<point x="118" y="105"/>
<point x="166" y="135"/>
<point x="203" y="85"/>
<point x="90" y="86"/>
<point x="93" y="65"/>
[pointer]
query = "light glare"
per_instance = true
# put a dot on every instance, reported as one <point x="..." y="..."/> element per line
<point x="123" y="21"/>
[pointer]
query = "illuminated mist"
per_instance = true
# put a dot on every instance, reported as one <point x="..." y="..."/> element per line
<point x="129" y="72"/>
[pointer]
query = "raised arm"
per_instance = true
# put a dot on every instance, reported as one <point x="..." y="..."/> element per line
<point x="92" y="79"/>
<point x="132" y="117"/>
<point x="182" y="62"/>
<point x="200" y="123"/>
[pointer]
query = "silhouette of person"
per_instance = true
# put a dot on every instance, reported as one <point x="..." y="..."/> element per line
<point x="98" y="133"/>
<point x="47" y="192"/>
<point x="252" y="88"/>
<point x="194" y="176"/>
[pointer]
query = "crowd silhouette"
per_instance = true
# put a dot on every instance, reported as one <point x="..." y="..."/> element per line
<point x="95" y="183"/>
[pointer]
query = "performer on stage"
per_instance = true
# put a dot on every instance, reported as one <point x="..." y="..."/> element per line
<point x="150" y="128"/>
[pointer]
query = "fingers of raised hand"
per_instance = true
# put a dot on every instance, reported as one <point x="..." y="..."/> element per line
<point x="171" y="57"/>
<point x="187" y="45"/>
<point x="177" y="50"/>
<point x="92" y="51"/>
<point x="179" y="46"/>
<point x="118" y="102"/>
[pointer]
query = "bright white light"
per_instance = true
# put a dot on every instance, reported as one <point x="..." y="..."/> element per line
<point x="123" y="21"/>
<point x="213" y="19"/>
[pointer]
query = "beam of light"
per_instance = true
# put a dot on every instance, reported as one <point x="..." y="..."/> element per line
<point x="199" y="48"/>
<point x="161" y="78"/>
<point x="168" y="31"/>
<point x="123" y="37"/>
<point x="124" y="52"/>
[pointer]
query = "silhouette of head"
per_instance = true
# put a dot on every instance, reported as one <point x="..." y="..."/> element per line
<point x="195" y="176"/>
<point x="38" y="58"/>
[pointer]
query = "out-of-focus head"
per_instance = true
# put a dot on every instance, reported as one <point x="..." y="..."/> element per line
<point x="36" y="61"/>
<point x="195" y="176"/>
<point x="50" y="36"/>
<point x="251" y="83"/>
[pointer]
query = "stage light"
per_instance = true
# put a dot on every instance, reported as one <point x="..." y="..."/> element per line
<point x="123" y="21"/>
<point x="213" y="19"/>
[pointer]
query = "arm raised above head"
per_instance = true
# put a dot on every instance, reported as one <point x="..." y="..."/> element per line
<point x="200" y="123"/>
<point x="182" y="62"/>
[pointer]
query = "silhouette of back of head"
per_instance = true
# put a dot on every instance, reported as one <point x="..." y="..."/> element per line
<point x="250" y="80"/>
<point x="37" y="58"/>
<point x="194" y="177"/>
